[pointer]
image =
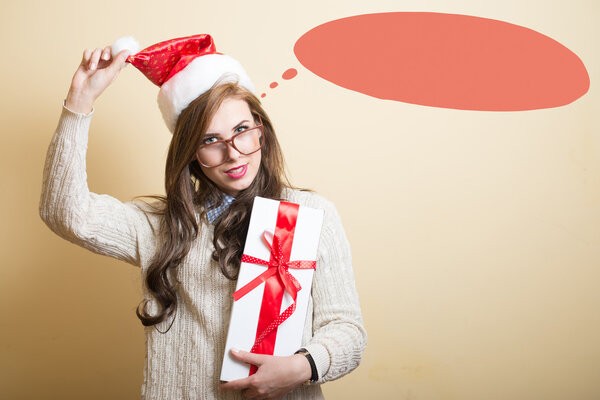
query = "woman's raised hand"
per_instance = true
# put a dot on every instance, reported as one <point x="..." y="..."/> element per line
<point x="98" y="69"/>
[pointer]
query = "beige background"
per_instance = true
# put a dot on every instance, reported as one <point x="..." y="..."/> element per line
<point x="475" y="235"/>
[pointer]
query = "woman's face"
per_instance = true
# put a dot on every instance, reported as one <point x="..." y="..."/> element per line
<point x="239" y="170"/>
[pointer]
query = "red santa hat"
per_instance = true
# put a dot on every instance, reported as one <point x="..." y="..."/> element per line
<point x="183" y="68"/>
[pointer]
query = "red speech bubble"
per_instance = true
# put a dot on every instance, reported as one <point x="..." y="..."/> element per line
<point x="444" y="60"/>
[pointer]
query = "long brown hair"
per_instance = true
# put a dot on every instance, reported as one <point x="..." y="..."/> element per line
<point x="187" y="191"/>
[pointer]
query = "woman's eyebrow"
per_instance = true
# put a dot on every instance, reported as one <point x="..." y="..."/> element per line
<point x="232" y="129"/>
<point x="240" y="123"/>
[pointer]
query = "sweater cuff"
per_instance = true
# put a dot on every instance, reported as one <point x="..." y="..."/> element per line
<point x="74" y="125"/>
<point x="75" y="112"/>
<point x="321" y="358"/>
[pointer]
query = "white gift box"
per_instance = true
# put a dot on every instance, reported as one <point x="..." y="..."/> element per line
<point x="245" y="312"/>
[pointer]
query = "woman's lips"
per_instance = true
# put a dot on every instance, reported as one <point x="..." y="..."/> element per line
<point x="237" y="172"/>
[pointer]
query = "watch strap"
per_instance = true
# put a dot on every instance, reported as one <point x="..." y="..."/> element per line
<point x="313" y="367"/>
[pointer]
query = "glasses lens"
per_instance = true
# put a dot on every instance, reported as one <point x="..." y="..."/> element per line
<point x="213" y="154"/>
<point x="249" y="140"/>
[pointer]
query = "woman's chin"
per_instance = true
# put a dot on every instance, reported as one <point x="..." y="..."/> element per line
<point x="235" y="188"/>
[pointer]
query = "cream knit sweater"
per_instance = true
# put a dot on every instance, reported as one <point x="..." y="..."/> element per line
<point x="185" y="362"/>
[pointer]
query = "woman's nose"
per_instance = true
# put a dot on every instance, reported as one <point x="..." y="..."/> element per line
<point x="232" y="153"/>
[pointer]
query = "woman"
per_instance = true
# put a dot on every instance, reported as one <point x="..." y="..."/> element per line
<point x="188" y="243"/>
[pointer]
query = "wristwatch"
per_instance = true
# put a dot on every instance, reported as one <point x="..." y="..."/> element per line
<point x="314" y="377"/>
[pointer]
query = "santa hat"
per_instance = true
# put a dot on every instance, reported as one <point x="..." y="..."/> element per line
<point x="183" y="68"/>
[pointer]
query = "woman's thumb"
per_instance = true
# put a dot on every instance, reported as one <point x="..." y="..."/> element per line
<point x="250" y="358"/>
<point x="118" y="62"/>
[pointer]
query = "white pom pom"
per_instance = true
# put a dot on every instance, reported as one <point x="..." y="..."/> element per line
<point x="125" y="43"/>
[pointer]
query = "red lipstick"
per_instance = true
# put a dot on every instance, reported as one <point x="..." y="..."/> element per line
<point x="237" y="172"/>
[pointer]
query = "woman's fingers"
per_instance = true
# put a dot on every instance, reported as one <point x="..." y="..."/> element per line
<point x="93" y="56"/>
<point x="85" y="58"/>
<point x="251" y="394"/>
<point x="93" y="64"/>
<point x="106" y="53"/>
<point x="238" y="384"/>
<point x="250" y="358"/>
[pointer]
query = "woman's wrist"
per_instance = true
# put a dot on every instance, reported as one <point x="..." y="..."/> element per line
<point x="79" y="102"/>
<point x="314" y="374"/>
<point x="304" y="371"/>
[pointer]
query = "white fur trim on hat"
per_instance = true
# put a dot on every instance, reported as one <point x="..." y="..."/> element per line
<point x="199" y="76"/>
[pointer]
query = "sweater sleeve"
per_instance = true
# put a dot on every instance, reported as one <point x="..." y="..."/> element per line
<point x="339" y="337"/>
<point x="98" y="222"/>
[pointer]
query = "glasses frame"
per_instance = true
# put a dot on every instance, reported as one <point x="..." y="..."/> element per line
<point x="232" y="144"/>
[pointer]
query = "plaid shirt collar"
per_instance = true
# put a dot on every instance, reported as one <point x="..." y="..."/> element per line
<point x="214" y="213"/>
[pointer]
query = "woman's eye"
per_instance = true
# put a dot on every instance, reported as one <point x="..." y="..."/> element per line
<point x="241" y="128"/>
<point x="209" y="140"/>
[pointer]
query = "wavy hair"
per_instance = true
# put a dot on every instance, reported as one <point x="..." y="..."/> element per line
<point x="188" y="190"/>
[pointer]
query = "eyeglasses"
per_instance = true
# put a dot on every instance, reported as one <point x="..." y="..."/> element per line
<point x="246" y="142"/>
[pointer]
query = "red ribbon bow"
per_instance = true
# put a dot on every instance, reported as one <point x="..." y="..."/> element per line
<point x="276" y="278"/>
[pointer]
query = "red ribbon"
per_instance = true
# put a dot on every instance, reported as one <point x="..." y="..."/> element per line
<point x="276" y="278"/>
